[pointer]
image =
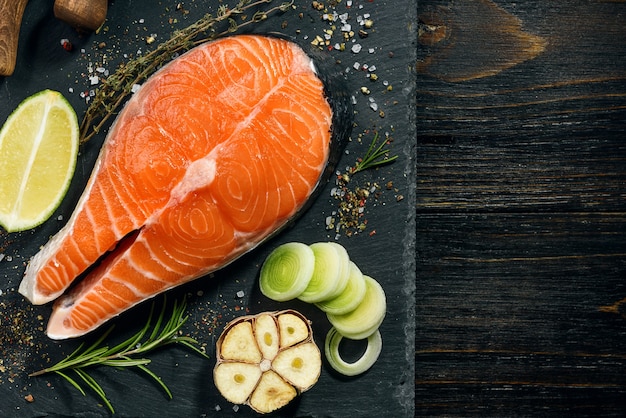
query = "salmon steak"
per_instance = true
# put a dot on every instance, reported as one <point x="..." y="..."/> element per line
<point x="218" y="151"/>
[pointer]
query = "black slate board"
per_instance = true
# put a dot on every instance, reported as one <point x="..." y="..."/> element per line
<point x="385" y="250"/>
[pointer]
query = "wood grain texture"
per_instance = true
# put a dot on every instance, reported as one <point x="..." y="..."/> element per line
<point x="10" y="23"/>
<point x="82" y="14"/>
<point x="521" y="238"/>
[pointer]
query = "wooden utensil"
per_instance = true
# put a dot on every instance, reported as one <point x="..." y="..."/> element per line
<point x="81" y="14"/>
<point x="11" y="12"/>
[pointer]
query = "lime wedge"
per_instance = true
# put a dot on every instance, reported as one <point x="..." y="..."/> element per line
<point x="38" y="151"/>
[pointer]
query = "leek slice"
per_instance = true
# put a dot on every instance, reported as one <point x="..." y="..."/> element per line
<point x="369" y="357"/>
<point x="367" y="317"/>
<point x="287" y="271"/>
<point x="331" y="272"/>
<point x="350" y="298"/>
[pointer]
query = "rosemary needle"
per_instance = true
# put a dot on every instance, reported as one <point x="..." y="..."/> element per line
<point x="127" y="353"/>
<point x="374" y="157"/>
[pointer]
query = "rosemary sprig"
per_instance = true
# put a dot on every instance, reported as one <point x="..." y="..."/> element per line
<point x="374" y="157"/>
<point x="118" y="86"/>
<point x="127" y="353"/>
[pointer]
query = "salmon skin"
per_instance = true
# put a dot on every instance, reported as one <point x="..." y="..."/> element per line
<point x="218" y="151"/>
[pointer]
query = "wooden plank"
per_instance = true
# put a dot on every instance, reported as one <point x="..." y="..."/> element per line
<point x="523" y="174"/>
<point x="520" y="313"/>
<point x="504" y="128"/>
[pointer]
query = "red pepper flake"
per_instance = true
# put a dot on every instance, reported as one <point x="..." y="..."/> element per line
<point x="372" y="232"/>
<point x="66" y="44"/>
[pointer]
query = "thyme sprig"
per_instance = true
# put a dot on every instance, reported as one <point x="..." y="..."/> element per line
<point x="374" y="157"/>
<point x="127" y="353"/>
<point x="117" y="87"/>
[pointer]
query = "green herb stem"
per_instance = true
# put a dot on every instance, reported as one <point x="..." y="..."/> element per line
<point x="118" y="86"/>
<point x="127" y="353"/>
<point x="374" y="157"/>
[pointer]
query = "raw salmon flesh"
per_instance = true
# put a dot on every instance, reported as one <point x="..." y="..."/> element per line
<point x="218" y="151"/>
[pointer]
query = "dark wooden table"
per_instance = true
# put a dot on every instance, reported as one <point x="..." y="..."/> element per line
<point x="521" y="226"/>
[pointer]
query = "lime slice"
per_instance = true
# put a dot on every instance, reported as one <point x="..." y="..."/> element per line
<point x="38" y="150"/>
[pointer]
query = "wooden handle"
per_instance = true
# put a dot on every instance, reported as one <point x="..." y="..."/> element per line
<point x="11" y="12"/>
<point x="81" y="14"/>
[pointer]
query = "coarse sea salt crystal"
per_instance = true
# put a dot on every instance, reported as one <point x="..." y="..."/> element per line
<point x="356" y="65"/>
<point x="94" y="79"/>
<point x="135" y="88"/>
<point x="1" y="256"/>
<point x="241" y="294"/>
<point x="356" y="48"/>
